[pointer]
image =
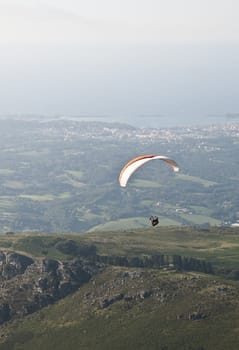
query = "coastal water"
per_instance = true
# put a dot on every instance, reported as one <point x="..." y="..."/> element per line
<point x="160" y="121"/>
<point x="141" y="121"/>
<point x="152" y="121"/>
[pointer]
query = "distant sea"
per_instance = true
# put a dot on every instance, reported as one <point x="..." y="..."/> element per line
<point x="141" y="121"/>
<point x="160" y="121"/>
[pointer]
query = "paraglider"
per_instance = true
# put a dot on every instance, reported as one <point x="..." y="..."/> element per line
<point x="154" y="220"/>
<point x="137" y="162"/>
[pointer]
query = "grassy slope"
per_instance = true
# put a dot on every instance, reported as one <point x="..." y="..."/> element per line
<point x="132" y="223"/>
<point x="77" y="322"/>
<point x="218" y="245"/>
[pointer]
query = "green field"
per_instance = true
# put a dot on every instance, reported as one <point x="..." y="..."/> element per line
<point x="145" y="183"/>
<point x="200" y="219"/>
<point x="76" y="174"/>
<point x="40" y="198"/>
<point x="201" y="210"/>
<point x="204" y="182"/>
<point x="132" y="223"/>
<point x="6" y="172"/>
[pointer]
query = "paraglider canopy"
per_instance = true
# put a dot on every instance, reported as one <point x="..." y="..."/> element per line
<point x="137" y="162"/>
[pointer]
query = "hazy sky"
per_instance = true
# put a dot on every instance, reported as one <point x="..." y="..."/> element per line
<point x="124" y="57"/>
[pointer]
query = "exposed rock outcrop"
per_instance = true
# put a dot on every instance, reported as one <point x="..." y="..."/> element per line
<point x="12" y="264"/>
<point x="28" y="284"/>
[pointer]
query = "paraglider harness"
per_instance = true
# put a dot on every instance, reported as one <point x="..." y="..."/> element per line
<point x="154" y="220"/>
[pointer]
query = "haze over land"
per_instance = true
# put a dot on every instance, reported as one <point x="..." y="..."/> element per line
<point x="177" y="60"/>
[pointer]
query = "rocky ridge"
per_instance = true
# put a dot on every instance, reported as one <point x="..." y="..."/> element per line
<point x="28" y="284"/>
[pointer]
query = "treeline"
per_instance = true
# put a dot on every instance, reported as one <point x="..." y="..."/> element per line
<point x="73" y="248"/>
<point x="188" y="263"/>
<point x="178" y="262"/>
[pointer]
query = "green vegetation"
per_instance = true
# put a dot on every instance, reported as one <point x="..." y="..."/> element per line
<point x="171" y="287"/>
<point x="220" y="246"/>
<point x="65" y="177"/>
<point x="204" y="182"/>
<point x="40" y="198"/>
<point x="200" y="219"/>
<point x="132" y="223"/>
<point x="6" y="171"/>
<point x="76" y="174"/>
<point x="145" y="183"/>
<point x="72" y="324"/>
<point x="161" y="304"/>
